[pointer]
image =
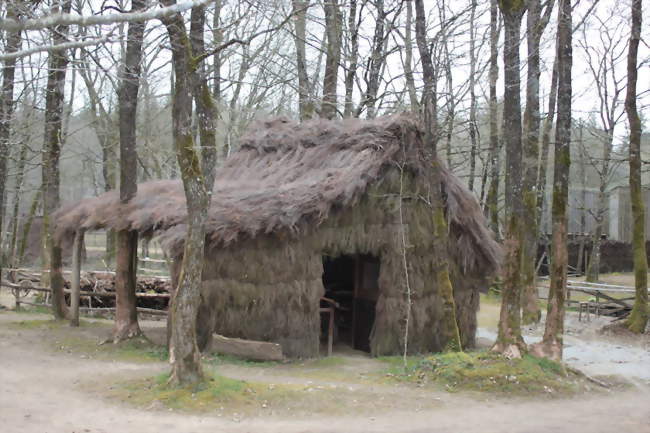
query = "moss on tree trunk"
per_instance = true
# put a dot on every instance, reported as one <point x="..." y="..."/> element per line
<point x="638" y="319"/>
<point x="440" y="224"/>
<point x="552" y="343"/>
<point x="509" y="340"/>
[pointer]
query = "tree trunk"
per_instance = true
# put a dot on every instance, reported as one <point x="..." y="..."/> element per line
<point x="450" y="329"/>
<point x="217" y="38"/>
<point x="472" y="96"/>
<point x="509" y="340"/>
<point x="126" y="314"/>
<point x="205" y="107"/>
<point x="535" y="28"/>
<point x="593" y="270"/>
<point x="408" y="58"/>
<point x="12" y="44"/>
<point x="638" y="319"/>
<point x="20" y="175"/>
<point x="305" y="106"/>
<point x="580" y="268"/>
<point x="551" y="344"/>
<point x="184" y="353"/>
<point x="333" y="24"/>
<point x="28" y="225"/>
<point x="374" y="64"/>
<point x="54" y="98"/>
<point x="492" y="199"/>
<point x="542" y="170"/>
<point x="351" y="73"/>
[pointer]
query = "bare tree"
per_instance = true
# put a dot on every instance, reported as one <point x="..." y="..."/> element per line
<point x="537" y="19"/>
<point x="352" y="48"/>
<point x="184" y="353"/>
<point x="305" y="105"/>
<point x="408" y="60"/>
<point x="542" y="171"/>
<point x="603" y="59"/>
<point x="126" y="313"/>
<point x="13" y="43"/>
<point x="450" y="325"/>
<point x="334" y="30"/>
<point x="472" y="93"/>
<point x="509" y="340"/>
<point x="552" y="342"/>
<point x="54" y="107"/>
<point x="197" y="173"/>
<point x="492" y="198"/>
<point x="375" y="62"/>
<point x="638" y="319"/>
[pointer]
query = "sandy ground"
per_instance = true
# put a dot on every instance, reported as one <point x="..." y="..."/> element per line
<point x="48" y="391"/>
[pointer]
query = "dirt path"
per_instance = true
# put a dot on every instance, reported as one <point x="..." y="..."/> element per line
<point x="46" y="391"/>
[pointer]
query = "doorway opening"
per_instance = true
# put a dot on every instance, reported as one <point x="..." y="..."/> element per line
<point x="352" y="282"/>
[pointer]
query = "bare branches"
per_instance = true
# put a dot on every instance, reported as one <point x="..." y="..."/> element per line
<point x="64" y="19"/>
<point x="55" y="47"/>
<point x="246" y="41"/>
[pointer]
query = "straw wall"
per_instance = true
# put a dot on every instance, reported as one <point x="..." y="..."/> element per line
<point x="268" y="288"/>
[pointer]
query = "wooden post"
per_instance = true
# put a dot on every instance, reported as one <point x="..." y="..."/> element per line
<point x="77" y="247"/>
<point x="330" y="332"/>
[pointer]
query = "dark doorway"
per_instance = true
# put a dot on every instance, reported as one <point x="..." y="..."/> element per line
<point x="352" y="282"/>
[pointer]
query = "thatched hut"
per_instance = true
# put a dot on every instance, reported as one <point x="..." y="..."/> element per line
<point x="303" y="211"/>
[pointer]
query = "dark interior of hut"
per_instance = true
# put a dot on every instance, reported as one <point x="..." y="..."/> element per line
<point x="351" y="286"/>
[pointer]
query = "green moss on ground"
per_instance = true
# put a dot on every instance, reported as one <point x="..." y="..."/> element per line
<point x="489" y="372"/>
<point x="50" y="324"/>
<point x="223" y="396"/>
<point x="134" y="350"/>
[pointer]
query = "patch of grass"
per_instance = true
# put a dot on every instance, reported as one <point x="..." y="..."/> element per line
<point x="216" y="393"/>
<point x="50" y="324"/>
<point x="34" y="309"/>
<point x="138" y="349"/>
<point x="396" y="363"/>
<point x="133" y="350"/>
<point x="491" y="372"/>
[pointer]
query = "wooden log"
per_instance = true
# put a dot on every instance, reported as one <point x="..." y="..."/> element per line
<point x="246" y="349"/>
<point x="84" y="293"/>
<point x="112" y="309"/>
<point x="75" y="285"/>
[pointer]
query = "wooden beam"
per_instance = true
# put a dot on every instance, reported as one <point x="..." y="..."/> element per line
<point x="246" y="349"/>
<point x="77" y="248"/>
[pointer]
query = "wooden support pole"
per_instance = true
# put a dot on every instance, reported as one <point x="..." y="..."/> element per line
<point x="75" y="292"/>
<point x="330" y="333"/>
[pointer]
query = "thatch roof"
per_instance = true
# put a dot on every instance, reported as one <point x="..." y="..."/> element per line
<point x="288" y="176"/>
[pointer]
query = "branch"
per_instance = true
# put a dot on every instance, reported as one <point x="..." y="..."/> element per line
<point x="50" y="48"/>
<point x="85" y="21"/>
<point x="225" y="45"/>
